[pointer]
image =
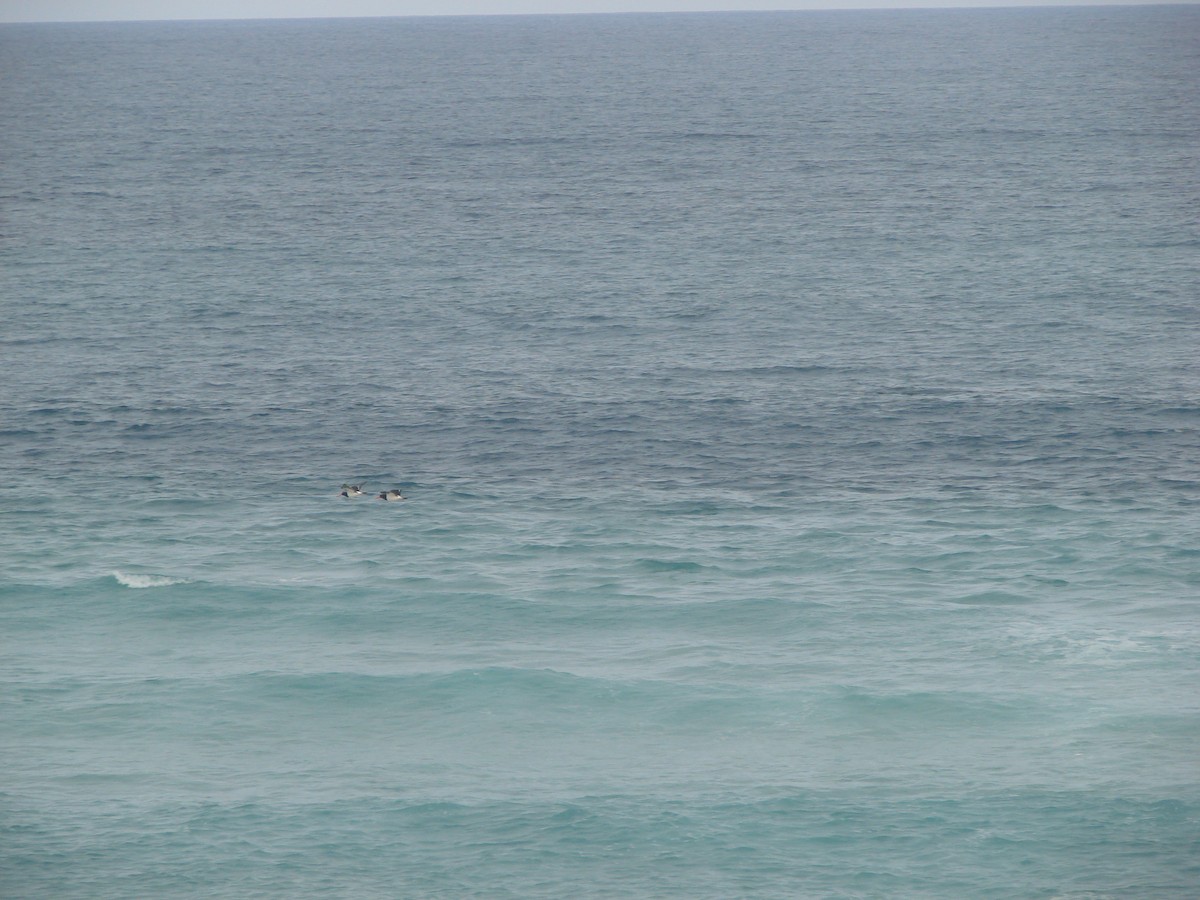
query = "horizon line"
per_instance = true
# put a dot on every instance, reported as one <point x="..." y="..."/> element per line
<point x="853" y="6"/>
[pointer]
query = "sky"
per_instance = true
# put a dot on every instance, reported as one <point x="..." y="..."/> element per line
<point x="108" y="10"/>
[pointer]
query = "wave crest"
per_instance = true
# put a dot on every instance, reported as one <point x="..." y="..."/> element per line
<point x="145" y="581"/>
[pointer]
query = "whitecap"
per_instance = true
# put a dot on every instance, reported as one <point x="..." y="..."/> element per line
<point x="145" y="581"/>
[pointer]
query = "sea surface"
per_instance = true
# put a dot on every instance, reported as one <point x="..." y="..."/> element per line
<point x="799" y="416"/>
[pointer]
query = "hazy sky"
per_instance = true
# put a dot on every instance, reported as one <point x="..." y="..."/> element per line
<point x="88" y="10"/>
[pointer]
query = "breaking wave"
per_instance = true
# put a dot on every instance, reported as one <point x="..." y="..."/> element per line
<point x="146" y="581"/>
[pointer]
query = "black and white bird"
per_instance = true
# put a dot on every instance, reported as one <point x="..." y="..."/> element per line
<point x="393" y="494"/>
<point x="351" y="490"/>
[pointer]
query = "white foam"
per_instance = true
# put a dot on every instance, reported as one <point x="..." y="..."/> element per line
<point x="145" y="581"/>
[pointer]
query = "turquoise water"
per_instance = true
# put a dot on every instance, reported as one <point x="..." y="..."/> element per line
<point x="798" y="415"/>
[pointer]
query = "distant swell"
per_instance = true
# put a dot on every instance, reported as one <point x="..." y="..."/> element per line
<point x="145" y="581"/>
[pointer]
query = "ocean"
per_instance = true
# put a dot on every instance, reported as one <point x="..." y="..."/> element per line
<point x="798" y="415"/>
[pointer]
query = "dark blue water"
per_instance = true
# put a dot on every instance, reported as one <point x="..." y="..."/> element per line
<point x="798" y="415"/>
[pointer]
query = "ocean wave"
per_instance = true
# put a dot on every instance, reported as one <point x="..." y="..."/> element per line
<point x="135" y="580"/>
<point x="669" y="565"/>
